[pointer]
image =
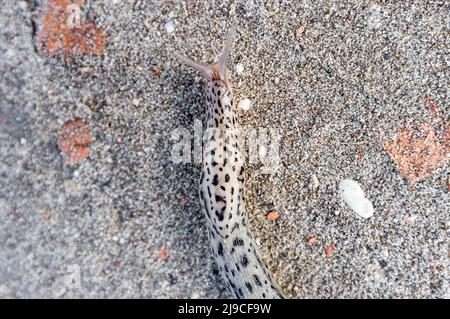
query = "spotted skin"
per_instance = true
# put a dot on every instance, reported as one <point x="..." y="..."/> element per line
<point x="222" y="191"/>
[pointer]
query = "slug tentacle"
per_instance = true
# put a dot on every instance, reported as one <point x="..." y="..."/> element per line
<point x="202" y="69"/>
<point x="222" y="189"/>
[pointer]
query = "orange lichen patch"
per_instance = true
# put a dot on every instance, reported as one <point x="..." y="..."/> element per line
<point x="312" y="240"/>
<point x="74" y="141"/>
<point x="60" y="30"/>
<point x="417" y="151"/>
<point x="272" y="216"/>
<point x="164" y="253"/>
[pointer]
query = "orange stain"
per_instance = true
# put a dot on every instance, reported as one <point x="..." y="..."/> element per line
<point x="57" y="36"/>
<point x="74" y="141"/>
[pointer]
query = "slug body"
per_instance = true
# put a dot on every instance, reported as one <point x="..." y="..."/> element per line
<point x="222" y="189"/>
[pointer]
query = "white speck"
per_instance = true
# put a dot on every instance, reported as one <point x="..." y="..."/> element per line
<point x="136" y="102"/>
<point x="23" y="5"/>
<point x="239" y="69"/>
<point x="355" y="198"/>
<point x="76" y="174"/>
<point x="245" y="104"/>
<point x="170" y="27"/>
<point x="23" y="141"/>
<point x="195" y="295"/>
<point x="165" y="284"/>
<point x="276" y="81"/>
<point x="384" y="253"/>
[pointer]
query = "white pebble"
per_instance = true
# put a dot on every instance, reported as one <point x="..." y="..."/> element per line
<point x="314" y="183"/>
<point x="245" y="104"/>
<point x="23" y="141"/>
<point x="136" y="102"/>
<point x="355" y="198"/>
<point x="170" y="27"/>
<point x="239" y="69"/>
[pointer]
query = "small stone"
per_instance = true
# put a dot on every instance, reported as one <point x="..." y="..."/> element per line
<point x="164" y="253"/>
<point x="329" y="250"/>
<point x="314" y="183"/>
<point x="312" y="240"/>
<point x="184" y="201"/>
<point x="276" y="81"/>
<point x="157" y="72"/>
<point x="300" y="31"/>
<point x="245" y="104"/>
<point x="136" y="102"/>
<point x="23" y="141"/>
<point x="272" y="216"/>
<point x="239" y="69"/>
<point x="170" y="27"/>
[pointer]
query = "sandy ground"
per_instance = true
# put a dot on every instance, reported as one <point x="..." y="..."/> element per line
<point x="336" y="79"/>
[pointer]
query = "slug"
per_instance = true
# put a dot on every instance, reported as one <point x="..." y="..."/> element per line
<point x="222" y="188"/>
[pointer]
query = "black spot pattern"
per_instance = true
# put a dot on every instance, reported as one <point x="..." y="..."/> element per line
<point x="222" y="193"/>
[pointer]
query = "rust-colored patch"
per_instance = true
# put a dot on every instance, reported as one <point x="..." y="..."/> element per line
<point x="74" y="141"/>
<point x="59" y="32"/>
<point x="272" y="215"/>
<point x="164" y="253"/>
<point x="312" y="240"/>
<point x="184" y="201"/>
<point x="157" y="72"/>
<point x="417" y="151"/>
<point x="46" y="214"/>
<point x="329" y="251"/>
<point x="432" y="105"/>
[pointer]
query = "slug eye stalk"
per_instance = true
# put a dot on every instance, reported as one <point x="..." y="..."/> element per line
<point x="216" y="71"/>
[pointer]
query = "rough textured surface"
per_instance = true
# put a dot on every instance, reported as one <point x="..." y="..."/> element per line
<point x="337" y="79"/>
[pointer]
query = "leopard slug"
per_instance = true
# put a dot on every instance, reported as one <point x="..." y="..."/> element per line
<point x="222" y="188"/>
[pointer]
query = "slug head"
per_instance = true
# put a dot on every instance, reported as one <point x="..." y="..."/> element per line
<point x="218" y="70"/>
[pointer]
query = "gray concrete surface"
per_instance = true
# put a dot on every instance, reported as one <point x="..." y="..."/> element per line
<point x="336" y="92"/>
